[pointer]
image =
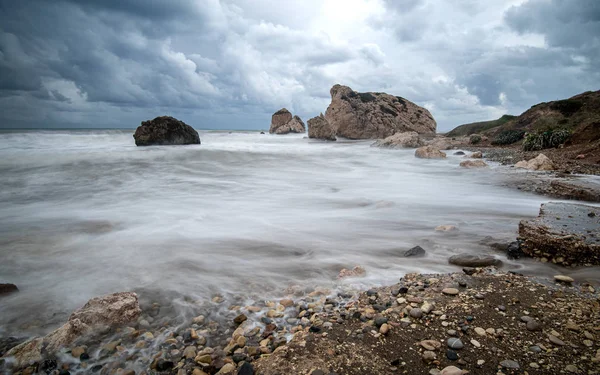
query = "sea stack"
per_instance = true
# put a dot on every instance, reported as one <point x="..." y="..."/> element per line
<point x="165" y="131"/>
<point x="282" y="122"/>
<point x="373" y="115"/>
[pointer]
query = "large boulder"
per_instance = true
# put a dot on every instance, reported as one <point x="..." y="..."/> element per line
<point x="164" y="131"/>
<point x="107" y="311"/>
<point x="319" y="128"/>
<point x="564" y="234"/>
<point x="374" y="115"/>
<point x="539" y="163"/>
<point x="429" y="152"/>
<point x="282" y="122"/>
<point x="401" y="140"/>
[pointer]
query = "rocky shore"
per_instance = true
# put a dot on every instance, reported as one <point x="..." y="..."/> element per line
<point x="480" y="320"/>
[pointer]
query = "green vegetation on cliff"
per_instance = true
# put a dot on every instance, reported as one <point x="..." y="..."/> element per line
<point x="478" y="127"/>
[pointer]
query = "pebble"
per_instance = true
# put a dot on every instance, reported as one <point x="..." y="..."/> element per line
<point x="535" y="349"/>
<point x="454" y="343"/>
<point x="572" y="369"/>
<point x="189" y="352"/>
<point x="534" y="325"/>
<point x="510" y="364"/>
<point x="416" y="313"/>
<point x="555" y="340"/>
<point x="379" y="321"/>
<point x="451" y="355"/>
<point x="205" y="358"/>
<point x="199" y="319"/>
<point x="475" y="343"/>
<point x="452" y="332"/>
<point x="240" y="319"/>
<point x="450" y="291"/>
<point x="501" y="307"/>
<point x="77" y="351"/>
<point x="480" y="362"/>
<point x="430" y="344"/>
<point x="534" y="365"/>
<point x="451" y="370"/>
<point x="480" y="331"/>
<point x="563" y="279"/>
<point x="384" y="329"/>
<point x="469" y="270"/>
<point x="429" y="356"/>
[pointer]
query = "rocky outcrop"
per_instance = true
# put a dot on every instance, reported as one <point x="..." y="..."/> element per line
<point x="165" y="131"/>
<point x="473" y="164"/>
<point x="539" y="163"/>
<point x="429" y="152"/>
<point x="563" y="233"/>
<point x="374" y="115"/>
<point x="107" y="311"/>
<point x="6" y="289"/>
<point x="319" y="128"/>
<point x="282" y="122"/>
<point x="401" y="140"/>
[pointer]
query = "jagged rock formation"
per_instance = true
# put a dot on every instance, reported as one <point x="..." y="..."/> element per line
<point x="319" y="128"/>
<point x="374" y="115"/>
<point x="282" y="122"/>
<point x="401" y="140"/>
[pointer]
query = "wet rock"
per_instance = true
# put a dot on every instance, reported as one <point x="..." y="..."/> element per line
<point x="469" y="270"/>
<point x="165" y="130"/>
<point x="477" y="155"/>
<point x="355" y="272"/>
<point x="429" y="152"/>
<point x="455" y="343"/>
<point x="446" y="228"/>
<point x="450" y="291"/>
<point x="163" y="365"/>
<point x="472" y="260"/>
<point x="561" y="234"/>
<point x="6" y="289"/>
<point x="240" y="319"/>
<point x="509" y="364"/>
<point x="246" y="369"/>
<point x="514" y="251"/>
<point x="227" y="369"/>
<point x="415" y="252"/>
<point x="459" y="153"/>
<point x="473" y="164"/>
<point x="539" y="163"/>
<point x="563" y="279"/>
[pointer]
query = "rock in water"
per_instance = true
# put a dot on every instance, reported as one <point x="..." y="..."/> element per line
<point x="165" y="131"/>
<point x="473" y="164"/>
<point x="561" y="234"/>
<point x="470" y="260"/>
<point x="401" y="140"/>
<point x="429" y="152"/>
<point x="539" y="163"/>
<point x="373" y="115"/>
<point x="282" y="122"/>
<point x="6" y="289"/>
<point x="319" y="128"/>
<point x="416" y="251"/>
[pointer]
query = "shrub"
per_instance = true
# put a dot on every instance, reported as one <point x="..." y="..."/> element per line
<point x="475" y="139"/>
<point x="567" y="107"/>
<point x="545" y="139"/>
<point x="508" y="137"/>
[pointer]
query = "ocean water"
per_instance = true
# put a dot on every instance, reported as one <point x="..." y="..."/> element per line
<point x="86" y="213"/>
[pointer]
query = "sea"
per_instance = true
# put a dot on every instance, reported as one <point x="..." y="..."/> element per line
<point x="85" y="213"/>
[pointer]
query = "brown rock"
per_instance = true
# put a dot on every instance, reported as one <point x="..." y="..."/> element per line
<point x="477" y="155"/>
<point x="355" y="272"/>
<point x="375" y="115"/>
<point x="429" y="152"/>
<point x="473" y="164"/>
<point x="400" y="140"/>
<point x="539" y="163"/>
<point x="165" y="130"/>
<point x="282" y="122"/>
<point x="319" y="128"/>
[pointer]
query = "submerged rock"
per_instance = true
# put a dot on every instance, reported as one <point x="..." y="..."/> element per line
<point x="282" y="122"/>
<point x="563" y="233"/>
<point x="416" y="251"/>
<point x="373" y="115"/>
<point x="401" y="140"/>
<point x="319" y="128"/>
<point x="163" y="131"/>
<point x="473" y="164"/>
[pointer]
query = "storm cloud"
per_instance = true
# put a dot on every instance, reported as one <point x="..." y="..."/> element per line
<point x="230" y="64"/>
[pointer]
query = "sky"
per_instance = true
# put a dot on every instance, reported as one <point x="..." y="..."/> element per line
<point x="230" y="64"/>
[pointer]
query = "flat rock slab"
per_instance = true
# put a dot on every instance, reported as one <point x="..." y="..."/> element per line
<point x="563" y="233"/>
<point x="472" y="260"/>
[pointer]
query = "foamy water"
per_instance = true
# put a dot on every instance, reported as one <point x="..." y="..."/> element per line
<point x="85" y="213"/>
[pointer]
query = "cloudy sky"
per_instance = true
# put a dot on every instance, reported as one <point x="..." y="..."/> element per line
<point x="230" y="64"/>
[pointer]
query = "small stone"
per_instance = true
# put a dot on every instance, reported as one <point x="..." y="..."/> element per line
<point x="451" y="370"/>
<point x="588" y="343"/>
<point x="189" y="352"/>
<point x="450" y="291"/>
<point x="199" y="319"/>
<point x="535" y="349"/>
<point x="429" y="356"/>
<point x="416" y="313"/>
<point x="451" y="355"/>
<point x="501" y="307"/>
<point x="534" y="365"/>
<point x="563" y="279"/>
<point x="480" y="331"/>
<point x="572" y="326"/>
<point x="475" y="343"/>
<point x="555" y="340"/>
<point x="510" y="364"/>
<point x="469" y="270"/>
<point x="534" y="325"/>
<point x="77" y="351"/>
<point x="455" y="343"/>
<point x="384" y="329"/>
<point x="452" y="332"/>
<point x="430" y="345"/>
<point x="572" y="369"/>
<point x="480" y="362"/>
<point x="228" y="368"/>
<point x="379" y="321"/>
<point x="240" y="319"/>
<point x="204" y="358"/>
